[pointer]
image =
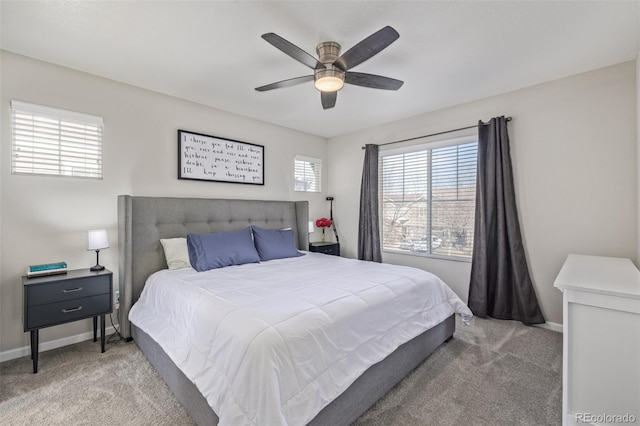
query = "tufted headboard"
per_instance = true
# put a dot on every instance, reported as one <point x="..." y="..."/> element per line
<point x="143" y="221"/>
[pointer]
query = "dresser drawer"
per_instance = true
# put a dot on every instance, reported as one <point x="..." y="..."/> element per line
<point x="67" y="290"/>
<point x="70" y="310"/>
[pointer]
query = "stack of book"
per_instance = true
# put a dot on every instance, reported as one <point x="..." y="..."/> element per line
<point x="47" y="269"/>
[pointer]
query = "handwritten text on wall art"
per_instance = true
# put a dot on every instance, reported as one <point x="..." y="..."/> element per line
<point x="204" y="157"/>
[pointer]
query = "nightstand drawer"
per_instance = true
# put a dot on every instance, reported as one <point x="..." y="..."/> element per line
<point x="325" y="248"/>
<point x="67" y="290"/>
<point x="70" y="310"/>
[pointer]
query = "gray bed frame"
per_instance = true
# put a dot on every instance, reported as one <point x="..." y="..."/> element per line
<point x="143" y="221"/>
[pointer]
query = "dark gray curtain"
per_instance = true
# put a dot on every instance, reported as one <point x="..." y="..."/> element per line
<point x="368" y="228"/>
<point x="500" y="283"/>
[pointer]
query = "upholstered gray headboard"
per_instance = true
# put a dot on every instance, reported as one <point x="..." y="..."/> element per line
<point x="143" y="221"/>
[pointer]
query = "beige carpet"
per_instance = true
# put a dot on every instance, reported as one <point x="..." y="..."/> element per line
<point x="492" y="373"/>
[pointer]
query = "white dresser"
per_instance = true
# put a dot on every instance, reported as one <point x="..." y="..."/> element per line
<point x="601" y="342"/>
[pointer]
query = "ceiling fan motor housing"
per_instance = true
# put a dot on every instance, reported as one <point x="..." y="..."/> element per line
<point x="332" y="77"/>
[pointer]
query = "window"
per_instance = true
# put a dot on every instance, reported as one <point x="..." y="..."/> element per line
<point x="307" y="174"/>
<point x="428" y="198"/>
<point x="51" y="141"/>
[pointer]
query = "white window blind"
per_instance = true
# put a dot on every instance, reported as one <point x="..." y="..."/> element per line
<point x="308" y="174"/>
<point x="51" y="141"/>
<point x="428" y="199"/>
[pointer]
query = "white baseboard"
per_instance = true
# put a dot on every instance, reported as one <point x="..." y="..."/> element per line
<point x="52" y="344"/>
<point x="553" y="326"/>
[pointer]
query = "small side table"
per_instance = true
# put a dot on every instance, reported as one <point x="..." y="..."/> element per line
<point x="58" y="299"/>
<point x="326" y="248"/>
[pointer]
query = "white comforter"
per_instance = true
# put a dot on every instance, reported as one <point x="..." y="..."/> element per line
<point x="273" y="343"/>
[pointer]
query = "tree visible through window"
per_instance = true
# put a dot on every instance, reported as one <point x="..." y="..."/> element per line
<point x="428" y="199"/>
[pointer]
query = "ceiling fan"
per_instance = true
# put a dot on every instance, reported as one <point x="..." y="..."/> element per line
<point x="331" y="70"/>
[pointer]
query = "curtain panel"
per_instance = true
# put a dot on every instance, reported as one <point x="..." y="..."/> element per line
<point x="368" y="227"/>
<point x="500" y="286"/>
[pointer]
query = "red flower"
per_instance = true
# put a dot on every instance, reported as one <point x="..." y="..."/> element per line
<point x="323" y="222"/>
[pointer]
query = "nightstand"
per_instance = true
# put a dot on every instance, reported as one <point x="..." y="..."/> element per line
<point x="326" y="248"/>
<point x="58" y="299"/>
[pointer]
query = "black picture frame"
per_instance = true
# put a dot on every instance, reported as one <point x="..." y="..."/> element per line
<point x="217" y="159"/>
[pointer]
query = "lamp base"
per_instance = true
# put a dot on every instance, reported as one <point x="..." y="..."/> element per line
<point x="97" y="268"/>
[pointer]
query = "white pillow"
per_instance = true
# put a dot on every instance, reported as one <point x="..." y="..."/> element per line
<point x="176" y="253"/>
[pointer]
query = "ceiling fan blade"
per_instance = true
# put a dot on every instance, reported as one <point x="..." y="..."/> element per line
<point x="373" y="81"/>
<point x="367" y="48"/>
<point x="328" y="99"/>
<point x="285" y="83"/>
<point x="292" y="50"/>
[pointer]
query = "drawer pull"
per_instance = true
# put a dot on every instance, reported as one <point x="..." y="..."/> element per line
<point x="71" y="290"/>
<point x="66" y="311"/>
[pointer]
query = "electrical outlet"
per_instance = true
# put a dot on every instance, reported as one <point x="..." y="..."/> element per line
<point x="329" y="198"/>
<point x="116" y="300"/>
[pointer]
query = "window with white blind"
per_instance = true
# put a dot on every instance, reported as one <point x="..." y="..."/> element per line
<point x="428" y="198"/>
<point x="308" y="173"/>
<point x="51" y="141"/>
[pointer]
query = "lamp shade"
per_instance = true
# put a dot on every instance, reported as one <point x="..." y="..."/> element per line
<point x="97" y="239"/>
<point x="311" y="228"/>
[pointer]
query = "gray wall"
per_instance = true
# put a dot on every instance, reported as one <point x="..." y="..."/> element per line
<point x="574" y="157"/>
<point x="45" y="219"/>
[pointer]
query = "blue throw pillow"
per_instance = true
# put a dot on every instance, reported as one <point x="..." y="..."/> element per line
<point x="217" y="250"/>
<point x="274" y="243"/>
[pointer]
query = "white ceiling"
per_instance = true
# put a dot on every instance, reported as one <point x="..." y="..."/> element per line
<point x="212" y="53"/>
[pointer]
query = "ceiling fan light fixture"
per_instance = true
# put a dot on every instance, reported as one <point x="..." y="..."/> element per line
<point x="329" y="84"/>
<point x="328" y="80"/>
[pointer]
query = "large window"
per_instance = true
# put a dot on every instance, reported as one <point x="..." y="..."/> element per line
<point x="51" y="141"/>
<point x="428" y="198"/>
<point x="308" y="173"/>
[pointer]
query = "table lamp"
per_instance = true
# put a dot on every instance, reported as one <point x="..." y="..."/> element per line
<point x="96" y="240"/>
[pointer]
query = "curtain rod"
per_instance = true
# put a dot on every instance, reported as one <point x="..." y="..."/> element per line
<point x="432" y="134"/>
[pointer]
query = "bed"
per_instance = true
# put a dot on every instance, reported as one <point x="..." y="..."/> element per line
<point x="336" y="392"/>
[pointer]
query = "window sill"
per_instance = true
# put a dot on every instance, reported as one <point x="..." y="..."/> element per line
<point x="429" y="255"/>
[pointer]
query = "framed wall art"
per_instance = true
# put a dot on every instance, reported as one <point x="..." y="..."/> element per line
<point x="205" y="157"/>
